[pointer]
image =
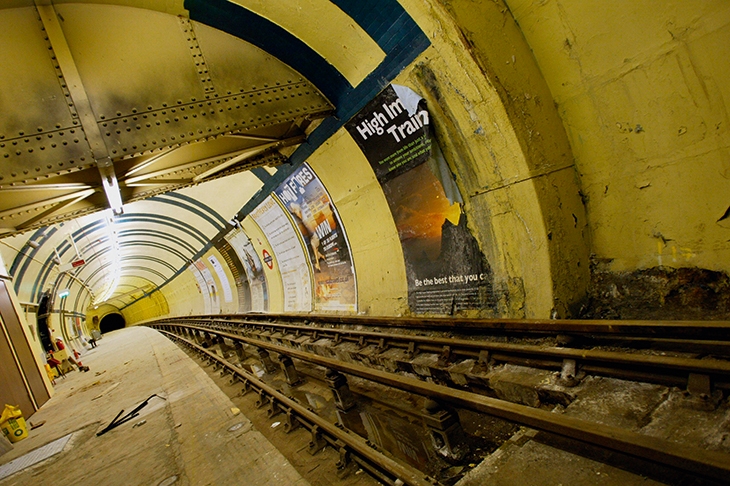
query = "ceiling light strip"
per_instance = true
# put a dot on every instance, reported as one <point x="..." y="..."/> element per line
<point x="81" y="102"/>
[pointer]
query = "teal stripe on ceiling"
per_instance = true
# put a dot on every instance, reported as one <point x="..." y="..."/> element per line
<point x="41" y="279"/>
<point x="131" y="257"/>
<point x="88" y="279"/>
<point x="198" y="203"/>
<point x="25" y="257"/>
<point x="261" y="173"/>
<point x="147" y="258"/>
<point x="20" y="275"/>
<point x="85" y="231"/>
<point x="188" y="207"/>
<point x="167" y="221"/>
<point x="134" y="234"/>
<point x="269" y="37"/>
<point x="144" y="269"/>
<point x="152" y="244"/>
<point x="384" y="20"/>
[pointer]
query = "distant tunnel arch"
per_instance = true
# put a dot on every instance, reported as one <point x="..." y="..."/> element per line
<point x="111" y="322"/>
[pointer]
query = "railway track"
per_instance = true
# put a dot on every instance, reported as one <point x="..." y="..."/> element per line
<point x="352" y="448"/>
<point x="682" y="366"/>
<point x="325" y="343"/>
<point x="706" y="337"/>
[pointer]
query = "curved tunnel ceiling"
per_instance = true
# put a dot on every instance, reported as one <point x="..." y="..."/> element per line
<point x="140" y="101"/>
<point x="124" y="126"/>
<point x="118" y="258"/>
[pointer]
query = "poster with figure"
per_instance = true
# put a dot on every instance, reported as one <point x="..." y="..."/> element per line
<point x="252" y="267"/>
<point x="446" y="270"/>
<point x="321" y="230"/>
<point x="293" y="264"/>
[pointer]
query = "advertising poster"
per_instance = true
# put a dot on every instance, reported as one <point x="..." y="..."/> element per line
<point x="393" y="132"/>
<point x="240" y="279"/>
<point x="225" y="284"/>
<point x="202" y="287"/>
<point x="446" y="270"/>
<point x="252" y="267"/>
<point x="293" y="264"/>
<point x="209" y="284"/>
<point x="310" y="207"/>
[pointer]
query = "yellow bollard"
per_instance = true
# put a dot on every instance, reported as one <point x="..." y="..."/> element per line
<point x="12" y="424"/>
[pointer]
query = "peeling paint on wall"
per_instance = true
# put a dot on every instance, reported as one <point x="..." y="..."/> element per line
<point x="659" y="293"/>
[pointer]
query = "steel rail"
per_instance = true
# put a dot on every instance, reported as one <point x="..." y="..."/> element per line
<point x="340" y="437"/>
<point x="698" y="330"/>
<point x="705" y="463"/>
<point x="668" y="370"/>
<point x="702" y="337"/>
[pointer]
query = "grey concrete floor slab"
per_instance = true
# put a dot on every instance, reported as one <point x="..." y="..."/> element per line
<point x="182" y="440"/>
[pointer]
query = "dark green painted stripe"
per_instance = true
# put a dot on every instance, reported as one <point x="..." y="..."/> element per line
<point x="42" y="278"/>
<point x="200" y="204"/>
<point x="20" y="275"/>
<point x="147" y="269"/>
<point x="283" y="171"/>
<point x="158" y="234"/>
<point x="143" y="258"/>
<point x="263" y="33"/>
<point x="153" y="244"/>
<point x="166" y="221"/>
<point x="385" y="21"/>
<point x="261" y="173"/>
<point x="187" y="207"/>
<point x="88" y="229"/>
<point x="23" y="255"/>
<point x="144" y="269"/>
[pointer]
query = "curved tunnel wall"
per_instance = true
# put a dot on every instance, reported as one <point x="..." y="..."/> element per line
<point x="544" y="218"/>
<point x="523" y="178"/>
<point x="593" y="172"/>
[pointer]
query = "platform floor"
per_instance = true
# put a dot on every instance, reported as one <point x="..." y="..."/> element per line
<point x="194" y="437"/>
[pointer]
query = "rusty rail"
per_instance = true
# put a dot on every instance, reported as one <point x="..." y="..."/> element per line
<point x="701" y="337"/>
<point x="367" y="456"/>
<point x="700" y="462"/>
<point x="652" y="368"/>
<point x="698" y="330"/>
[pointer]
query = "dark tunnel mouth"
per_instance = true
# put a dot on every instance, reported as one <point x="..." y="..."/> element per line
<point x="111" y="322"/>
